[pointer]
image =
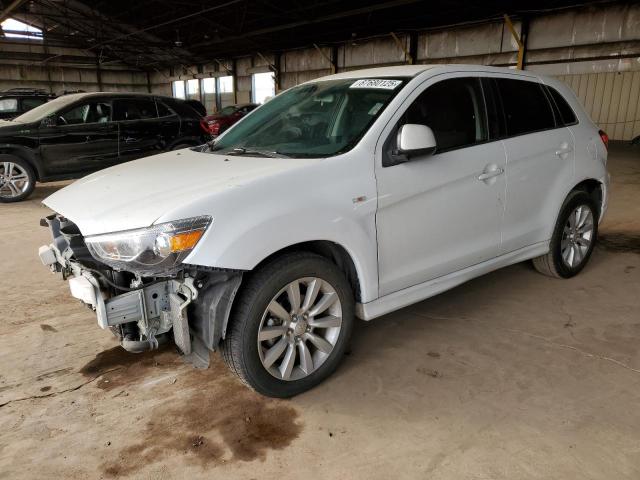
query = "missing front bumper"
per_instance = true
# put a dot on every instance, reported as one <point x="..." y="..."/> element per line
<point x="153" y="309"/>
<point x="156" y="308"/>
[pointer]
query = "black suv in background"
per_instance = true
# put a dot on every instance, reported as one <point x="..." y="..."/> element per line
<point x="76" y="134"/>
<point x="16" y="101"/>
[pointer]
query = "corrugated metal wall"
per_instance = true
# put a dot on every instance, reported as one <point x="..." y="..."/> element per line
<point x="594" y="49"/>
<point x="612" y="100"/>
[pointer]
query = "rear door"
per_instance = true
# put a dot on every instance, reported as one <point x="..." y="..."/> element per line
<point x="82" y="138"/>
<point x="540" y="162"/>
<point x="169" y="124"/>
<point x="139" y="127"/>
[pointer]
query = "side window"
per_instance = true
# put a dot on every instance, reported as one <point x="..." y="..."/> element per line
<point x="495" y="114"/>
<point x="163" y="110"/>
<point x="8" y="105"/>
<point x="525" y="105"/>
<point x="566" y="113"/>
<point x="134" y="109"/>
<point x="29" y="103"/>
<point x="91" y="112"/>
<point x="454" y="110"/>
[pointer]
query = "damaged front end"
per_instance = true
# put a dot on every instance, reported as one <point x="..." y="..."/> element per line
<point x="159" y="299"/>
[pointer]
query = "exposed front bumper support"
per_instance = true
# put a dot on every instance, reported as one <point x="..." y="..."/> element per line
<point x="156" y="308"/>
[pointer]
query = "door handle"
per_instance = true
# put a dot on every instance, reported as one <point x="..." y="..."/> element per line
<point x="130" y="140"/>
<point x="563" y="150"/>
<point x="490" y="174"/>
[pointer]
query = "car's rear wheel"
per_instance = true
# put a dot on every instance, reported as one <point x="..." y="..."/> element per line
<point x="290" y="325"/>
<point x="17" y="179"/>
<point x="573" y="239"/>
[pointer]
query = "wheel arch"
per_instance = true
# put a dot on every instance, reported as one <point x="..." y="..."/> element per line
<point x="594" y="188"/>
<point x="212" y="313"/>
<point x="24" y="155"/>
<point x="332" y="251"/>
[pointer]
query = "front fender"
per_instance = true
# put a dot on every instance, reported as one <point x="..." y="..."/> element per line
<point x="252" y="242"/>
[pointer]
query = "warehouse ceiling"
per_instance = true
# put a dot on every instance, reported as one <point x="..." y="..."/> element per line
<point x="157" y="33"/>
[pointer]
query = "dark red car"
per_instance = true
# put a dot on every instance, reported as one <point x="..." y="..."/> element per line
<point x="219" y="122"/>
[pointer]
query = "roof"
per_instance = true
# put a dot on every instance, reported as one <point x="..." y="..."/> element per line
<point x="414" y="70"/>
<point x="112" y="94"/>
<point x="394" y="71"/>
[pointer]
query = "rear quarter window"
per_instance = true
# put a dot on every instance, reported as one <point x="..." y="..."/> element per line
<point x="525" y="106"/>
<point x="163" y="110"/>
<point x="564" y="109"/>
<point x="181" y="108"/>
<point x="134" y="109"/>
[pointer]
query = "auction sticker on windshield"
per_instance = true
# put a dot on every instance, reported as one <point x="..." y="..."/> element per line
<point x="376" y="83"/>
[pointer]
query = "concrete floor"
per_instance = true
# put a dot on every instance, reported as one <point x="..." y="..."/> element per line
<point x="512" y="375"/>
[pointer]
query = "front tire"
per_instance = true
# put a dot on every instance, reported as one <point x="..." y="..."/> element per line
<point x="17" y="179"/>
<point x="574" y="237"/>
<point x="290" y="325"/>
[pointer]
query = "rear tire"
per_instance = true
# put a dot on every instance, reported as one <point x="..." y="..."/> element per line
<point x="17" y="179"/>
<point x="573" y="239"/>
<point x="288" y="357"/>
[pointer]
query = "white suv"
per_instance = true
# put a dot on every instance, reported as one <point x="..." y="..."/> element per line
<point x="348" y="196"/>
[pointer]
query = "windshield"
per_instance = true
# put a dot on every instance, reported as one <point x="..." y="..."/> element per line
<point x="312" y="120"/>
<point x="46" y="109"/>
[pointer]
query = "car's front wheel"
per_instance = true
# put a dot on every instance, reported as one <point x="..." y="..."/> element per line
<point x="290" y="325"/>
<point x="17" y="179"/>
<point x="573" y="239"/>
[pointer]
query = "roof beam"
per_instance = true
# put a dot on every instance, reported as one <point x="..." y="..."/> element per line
<point x="10" y="8"/>
<point x="310" y="21"/>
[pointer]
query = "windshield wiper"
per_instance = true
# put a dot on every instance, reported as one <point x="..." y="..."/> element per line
<point x="251" y="151"/>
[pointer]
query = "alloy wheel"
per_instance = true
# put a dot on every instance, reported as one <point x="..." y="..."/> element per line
<point x="299" y="328"/>
<point x="577" y="236"/>
<point x="14" y="180"/>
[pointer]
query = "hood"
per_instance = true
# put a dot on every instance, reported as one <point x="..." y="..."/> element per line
<point x="11" y="127"/>
<point x="136" y="194"/>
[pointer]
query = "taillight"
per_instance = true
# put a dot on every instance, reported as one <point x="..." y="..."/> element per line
<point x="605" y="138"/>
<point x="211" y="127"/>
<point x="205" y="126"/>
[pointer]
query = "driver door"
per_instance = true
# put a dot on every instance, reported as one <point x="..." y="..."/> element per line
<point x="80" y="139"/>
<point x="443" y="212"/>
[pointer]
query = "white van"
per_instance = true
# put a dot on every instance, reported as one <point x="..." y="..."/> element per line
<point x="349" y="196"/>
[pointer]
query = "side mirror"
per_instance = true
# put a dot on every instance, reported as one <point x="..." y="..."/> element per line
<point x="414" y="139"/>
<point x="48" y="122"/>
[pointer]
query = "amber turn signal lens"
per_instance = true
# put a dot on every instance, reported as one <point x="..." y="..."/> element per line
<point x="185" y="241"/>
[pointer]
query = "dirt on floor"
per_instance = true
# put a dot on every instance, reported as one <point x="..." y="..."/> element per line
<point x="512" y="375"/>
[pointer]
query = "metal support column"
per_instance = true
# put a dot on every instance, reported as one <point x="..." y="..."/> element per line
<point x="408" y="58"/>
<point x="518" y="38"/>
<point x="327" y="58"/>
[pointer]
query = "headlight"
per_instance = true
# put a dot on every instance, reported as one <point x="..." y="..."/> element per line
<point x="156" y="250"/>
